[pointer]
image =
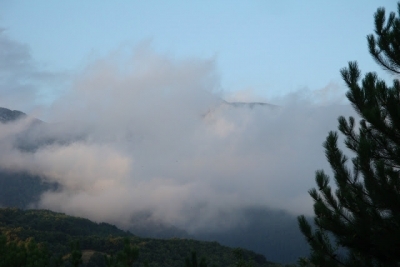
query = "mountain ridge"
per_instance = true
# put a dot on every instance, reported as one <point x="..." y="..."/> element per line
<point x="23" y="190"/>
<point x="8" y="115"/>
<point x="58" y="230"/>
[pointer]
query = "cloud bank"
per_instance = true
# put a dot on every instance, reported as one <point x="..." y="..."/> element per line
<point x="155" y="136"/>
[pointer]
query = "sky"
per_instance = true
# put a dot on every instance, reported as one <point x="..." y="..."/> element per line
<point x="265" y="48"/>
<point x="137" y="87"/>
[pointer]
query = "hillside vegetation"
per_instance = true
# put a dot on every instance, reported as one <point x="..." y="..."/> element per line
<point x="54" y="233"/>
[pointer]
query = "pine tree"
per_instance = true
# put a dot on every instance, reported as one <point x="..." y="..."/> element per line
<point x="193" y="262"/>
<point x="128" y="255"/>
<point x="76" y="254"/>
<point x="359" y="224"/>
<point x="240" y="261"/>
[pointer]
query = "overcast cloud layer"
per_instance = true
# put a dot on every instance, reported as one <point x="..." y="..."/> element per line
<point x="156" y="136"/>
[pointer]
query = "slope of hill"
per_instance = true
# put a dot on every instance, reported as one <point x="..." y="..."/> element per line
<point x="266" y="231"/>
<point x="273" y="233"/>
<point x="57" y="231"/>
<point x="7" y="115"/>
<point x="19" y="189"/>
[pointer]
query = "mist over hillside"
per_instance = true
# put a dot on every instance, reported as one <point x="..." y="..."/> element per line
<point x="141" y="139"/>
<point x="7" y="115"/>
<point x="263" y="228"/>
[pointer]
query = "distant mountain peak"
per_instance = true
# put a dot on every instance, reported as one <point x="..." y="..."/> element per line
<point x="249" y="104"/>
<point x="7" y="115"/>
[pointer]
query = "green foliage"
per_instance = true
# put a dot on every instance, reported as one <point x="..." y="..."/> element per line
<point x="76" y="254"/>
<point x="359" y="224"/>
<point x="110" y="261"/>
<point x="384" y="47"/>
<point x="173" y="252"/>
<point x="193" y="262"/>
<point x="22" y="253"/>
<point x="240" y="260"/>
<point x="128" y="255"/>
<point x="101" y="245"/>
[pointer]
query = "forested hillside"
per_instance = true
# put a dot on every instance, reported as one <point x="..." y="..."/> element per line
<point x="52" y="234"/>
<point x="263" y="229"/>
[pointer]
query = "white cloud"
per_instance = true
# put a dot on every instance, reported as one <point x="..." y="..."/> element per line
<point x="158" y="137"/>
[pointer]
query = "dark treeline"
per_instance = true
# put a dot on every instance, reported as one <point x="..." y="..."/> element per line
<point x="45" y="238"/>
<point x="357" y="221"/>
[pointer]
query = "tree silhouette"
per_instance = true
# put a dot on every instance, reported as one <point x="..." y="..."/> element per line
<point x="359" y="223"/>
<point x="193" y="262"/>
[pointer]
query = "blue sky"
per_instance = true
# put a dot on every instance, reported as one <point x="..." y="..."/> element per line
<point x="268" y="47"/>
